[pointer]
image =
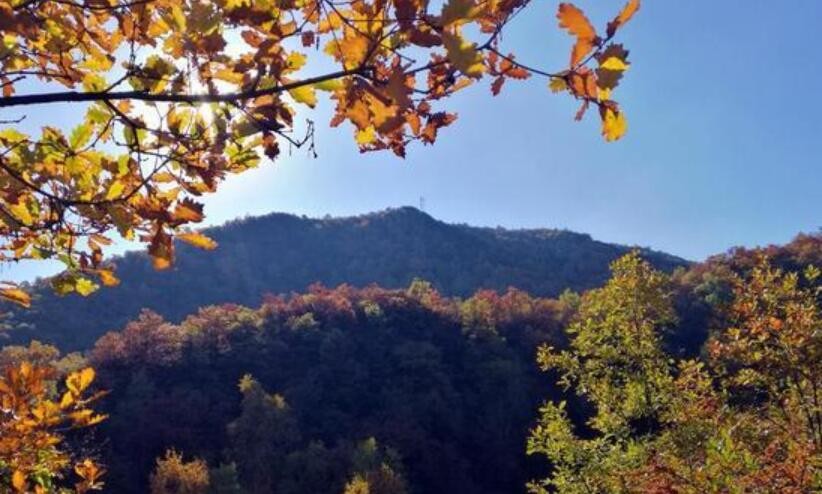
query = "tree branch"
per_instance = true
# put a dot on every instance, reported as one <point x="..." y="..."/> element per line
<point x="77" y="97"/>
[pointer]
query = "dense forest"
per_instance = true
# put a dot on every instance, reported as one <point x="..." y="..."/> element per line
<point x="280" y="254"/>
<point x="404" y="390"/>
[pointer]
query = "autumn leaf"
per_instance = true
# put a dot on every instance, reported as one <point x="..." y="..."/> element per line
<point x="161" y="250"/>
<point x="78" y="381"/>
<point x="463" y="54"/>
<point x="557" y="85"/>
<point x="18" y="481"/>
<point x="16" y="295"/>
<point x="366" y="136"/>
<point x="613" y="61"/>
<point x="304" y="94"/>
<point x="107" y="277"/>
<point x="614" y="124"/>
<point x="85" y="286"/>
<point x="188" y="211"/>
<point x="624" y="16"/>
<point x="197" y="240"/>
<point x="573" y="19"/>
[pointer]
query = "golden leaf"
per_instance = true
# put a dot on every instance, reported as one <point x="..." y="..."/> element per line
<point x="614" y="124"/>
<point x="557" y="85"/>
<point x="463" y="54"/>
<point x="197" y="240"/>
<point x="18" y="481"/>
<point x="615" y="63"/>
<point x="16" y="295"/>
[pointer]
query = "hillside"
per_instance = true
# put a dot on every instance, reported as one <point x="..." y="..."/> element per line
<point x="280" y="253"/>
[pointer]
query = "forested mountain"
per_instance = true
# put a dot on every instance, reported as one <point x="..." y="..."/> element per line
<point x="405" y="391"/>
<point x="281" y="253"/>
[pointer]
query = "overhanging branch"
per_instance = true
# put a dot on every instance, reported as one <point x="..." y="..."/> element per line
<point x="79" y="97"/>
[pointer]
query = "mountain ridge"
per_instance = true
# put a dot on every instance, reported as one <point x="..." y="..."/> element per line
<point x="282" y="253"/>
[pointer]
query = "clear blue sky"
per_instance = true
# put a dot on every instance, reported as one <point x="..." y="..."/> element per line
<point x="723" y="146"/>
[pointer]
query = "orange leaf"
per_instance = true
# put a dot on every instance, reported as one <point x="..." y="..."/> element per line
<point x="107" y="277"/>
<point x="574" y="20"/>
<point x="18" y="481"/>
<point x="161" y="250"/>
<point x="581" y="48"/>
<point x="188" y="210"/>
<point x="624" y="16"/>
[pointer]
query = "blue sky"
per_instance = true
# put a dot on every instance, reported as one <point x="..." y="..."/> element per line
<point x="722" y="149"/>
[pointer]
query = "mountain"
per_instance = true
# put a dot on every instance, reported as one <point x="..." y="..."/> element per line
<point x="281" y="253"/>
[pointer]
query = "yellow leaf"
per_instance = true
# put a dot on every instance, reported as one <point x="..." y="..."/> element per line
<point x="179" y="17"/>
<point x="351" y="50"/>
<point x="304" y="94"/>
<point x="614" y="125"/>
<point x="94" y="82"/>
<point x="16" y="295"/>
<point x="330" y="85"/>
<point x="463" y="55"/>
<point x="228" y="75"/>
<point x="604" y="94"/>
<point x="235" y="4"/>
<point x="67" y="400"/>
<point x="197" y="240"/>
<point x="614" y="63"/>
<point x="115" y="191"/>
<point x="557" y="85"/>
<point x="85" y="286"/>
<point x="21" y="212"/>
<point x="86" y="377"/>
<point x="366" y="136"/>
<point x="295" y="61"/>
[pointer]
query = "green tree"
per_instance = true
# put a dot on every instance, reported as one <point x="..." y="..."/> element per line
<point x="615" y="361"/>
<point x="261" y="437"/>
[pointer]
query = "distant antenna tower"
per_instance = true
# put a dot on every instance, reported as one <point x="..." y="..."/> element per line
<point x="422" y="203"/>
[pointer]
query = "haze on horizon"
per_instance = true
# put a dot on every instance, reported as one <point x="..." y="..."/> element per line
<point x="722" y="148"/>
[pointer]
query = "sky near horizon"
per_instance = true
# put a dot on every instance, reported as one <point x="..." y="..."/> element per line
<point x="723" y="146"/>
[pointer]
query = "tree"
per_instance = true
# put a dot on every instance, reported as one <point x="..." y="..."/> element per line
<point x="745" y="420"/>
<point x="181" y="94"/>
<point x="615" y="361"/>
<point x="173" y="475"/>
<point x="32" y="458"/>
<point x="262" y="435"/>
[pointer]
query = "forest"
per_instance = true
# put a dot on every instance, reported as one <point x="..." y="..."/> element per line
<point x="408" y="390"/>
